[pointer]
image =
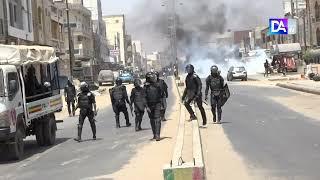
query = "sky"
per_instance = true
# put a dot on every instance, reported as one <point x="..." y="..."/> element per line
<point x="118" y="6"/>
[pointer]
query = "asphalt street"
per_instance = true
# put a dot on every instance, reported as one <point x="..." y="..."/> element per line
<point x="72" y="160"/>
<point x="275" y="142"/>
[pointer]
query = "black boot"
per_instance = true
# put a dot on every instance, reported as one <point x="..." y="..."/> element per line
<point x="137" y="124"/>
<point x="193" y="117"/>
<point x="117" y="121"/>
<point x="79" y="134"/>
<point x="153" y="127"/>
<point x="126" y="115"/>
<point x="158" y="129"/>
<point x="94" y="130"/>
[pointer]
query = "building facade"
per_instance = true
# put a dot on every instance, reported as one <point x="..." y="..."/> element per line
<point x="99" y="30"/>
<point x="16" y="22"/>
<point x="116" y="37"/>
<point x="82" y="39"/>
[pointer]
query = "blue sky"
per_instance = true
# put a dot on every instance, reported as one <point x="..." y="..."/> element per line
<point x="118" y="6"/>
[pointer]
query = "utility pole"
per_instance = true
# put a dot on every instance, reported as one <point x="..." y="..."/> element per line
<point x="69" y="40"/>
<point x="304" y="30"/>
<point x="310" y="21"/>
<point x="292" y="16"/>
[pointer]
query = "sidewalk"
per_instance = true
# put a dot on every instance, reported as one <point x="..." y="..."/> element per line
<point x="275" y="77"/>
<point x="307" y="86"/>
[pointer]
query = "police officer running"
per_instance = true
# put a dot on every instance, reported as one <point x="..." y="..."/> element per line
<point x="70" y="96"/>
<point x="164" y="95"/>
<point x="193" y="93"/>
<point x="88" y="108"/>
<point x="215" y="82"/>
<point x="138" y="99"/>
<point x="119" y="97"/>
<point x="153" y="97"/>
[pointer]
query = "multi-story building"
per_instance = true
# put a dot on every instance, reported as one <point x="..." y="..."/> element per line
<point x="99" y="30"/>
<point x="116" y="36"/>
<point x="314" y="13"/>
<point x="82" y="38"/>
<point x="16" y="22"/>
<point x="154" y="61"/>
<point x="137" y="54"/>
<point x="48" y="24"/>
<point x="293" y="5"/>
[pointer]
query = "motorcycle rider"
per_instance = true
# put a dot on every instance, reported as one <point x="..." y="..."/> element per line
<point x="193" y="93"/>
<point x="215" y="82"/>
<point x="70" y="96"/>
<point x="153" y="98"/>
<point x="88" y="108"/>
<point x="164" y="88"/>
<point x="138" y="98"/>
<point x="119" y="97"/>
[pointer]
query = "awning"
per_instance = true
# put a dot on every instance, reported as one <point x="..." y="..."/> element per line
<point x="286" y="48"/>
<point x="22" y="55"/>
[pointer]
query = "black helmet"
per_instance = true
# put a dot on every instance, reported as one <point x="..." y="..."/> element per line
<point x="189" y="69"/>
<point x="214" y="70"/>
<point x="151" y="77"/>
<point x="118" y="81"/>
<point x="137" y="83"/>
<point x="84" y="87"/>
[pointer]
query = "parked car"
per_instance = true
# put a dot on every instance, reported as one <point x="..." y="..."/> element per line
<point x="126" y="78"/>
<point x="237" y="73"/>
<point x="106" y="76"/>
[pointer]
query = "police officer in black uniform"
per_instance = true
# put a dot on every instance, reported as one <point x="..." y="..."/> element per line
<point x="119" y="97"/>
<point x="193" y="93"/>
<point x="70" y="96"/>
<point x="153" y="97"/>
<point x="138" y="99"/>
<point x="215" y="82"/>
<point x="88" y="108"/>
<point x="164" y="95"/>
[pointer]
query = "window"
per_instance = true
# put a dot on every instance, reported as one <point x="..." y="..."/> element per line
<point x="39" y="15"/>
<point x="1" y="84"/>
<point x="318" y="36"/>
<point x="117" y="21"/>
<point x="12" y="76"/>
<point x="15" y="13"/>
<point x="317" y="11"/>
<point x="77" y="51"/>
<point x="1" y="27"/>
<point x="11" y="14"/>
<point x="29" y="16"/>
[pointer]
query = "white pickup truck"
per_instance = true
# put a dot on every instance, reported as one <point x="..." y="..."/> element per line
<point x="29" y="96"/>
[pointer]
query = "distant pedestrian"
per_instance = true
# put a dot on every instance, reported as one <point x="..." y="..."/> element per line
<point x="266" y="68"/>
<point x="70" y="96"/>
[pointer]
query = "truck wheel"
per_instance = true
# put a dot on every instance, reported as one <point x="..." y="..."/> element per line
<point x="39" y="134"/>
<point x="49" y="131"/>
<point x="17" y="148"/>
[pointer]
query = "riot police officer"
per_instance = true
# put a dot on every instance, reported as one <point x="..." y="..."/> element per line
<point x="193" y="93"/>
<point x="119" y="97"/>
<point x="153" y="97"/>
<point x="216" y="83"/>
<point x="70" y="95"/>
<point x="164" y="95"/>
<point x="88" y="108"/>
<point x="138" y="99"/>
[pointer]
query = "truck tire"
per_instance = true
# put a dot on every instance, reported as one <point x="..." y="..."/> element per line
<point x="17" y="148"/>
<point x="49" y="131"/>
<point x="39" y="134"/>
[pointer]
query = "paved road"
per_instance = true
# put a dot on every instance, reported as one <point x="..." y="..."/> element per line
<point x="274" y="141"/>
<point x="72" y="160"/>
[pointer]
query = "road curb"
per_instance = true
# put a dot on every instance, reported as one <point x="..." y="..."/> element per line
<point x="299" y="88"/>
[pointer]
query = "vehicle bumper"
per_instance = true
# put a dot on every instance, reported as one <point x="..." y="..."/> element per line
<point x="239" y="76"/>
<point x="5" y="134"/>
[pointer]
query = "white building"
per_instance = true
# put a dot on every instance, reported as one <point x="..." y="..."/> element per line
<point x="16" y="23"/>
<point x="297" y="5"/>
<point x="154" y="61"/>
<point x="116" y="36"/>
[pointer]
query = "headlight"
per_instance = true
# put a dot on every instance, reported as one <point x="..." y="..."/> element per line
<point x="5" y="119"/>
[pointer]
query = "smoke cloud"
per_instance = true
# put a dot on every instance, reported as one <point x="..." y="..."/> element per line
<point x="199" y="23"/>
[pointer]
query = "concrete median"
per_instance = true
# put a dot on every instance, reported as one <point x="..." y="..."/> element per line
<point x="299" y="88"/>
<point x="177" y="169"/>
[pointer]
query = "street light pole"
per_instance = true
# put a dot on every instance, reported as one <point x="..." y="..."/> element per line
<point x="69" y="40"/>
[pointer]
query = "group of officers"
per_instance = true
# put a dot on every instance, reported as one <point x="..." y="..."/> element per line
<point x="150" y="97"/>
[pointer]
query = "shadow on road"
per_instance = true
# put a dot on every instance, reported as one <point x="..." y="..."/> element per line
<point x="31" y="148"/>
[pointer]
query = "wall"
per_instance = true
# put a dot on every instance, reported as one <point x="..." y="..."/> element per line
<point x="20" y="24"/>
